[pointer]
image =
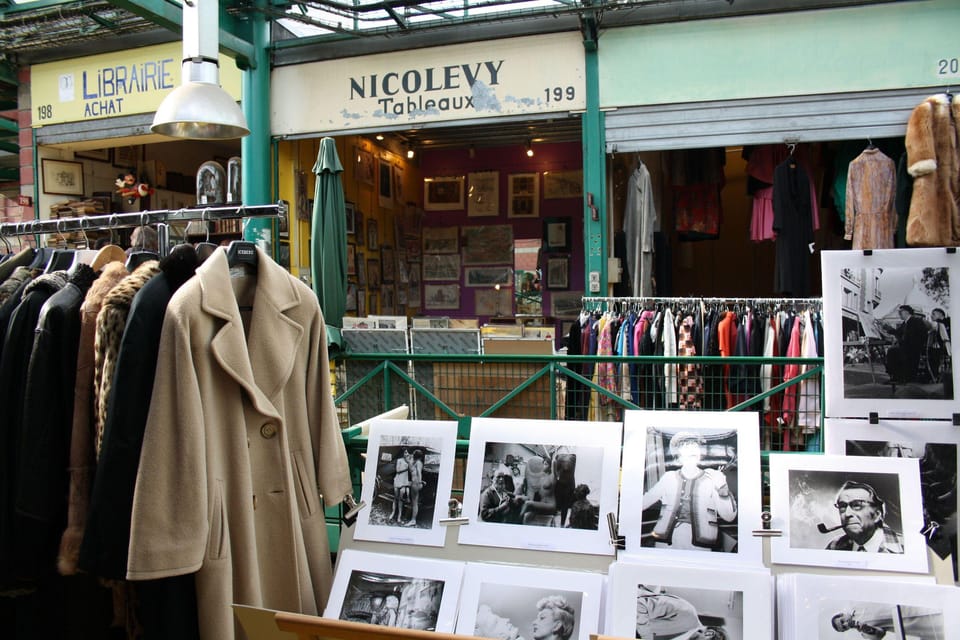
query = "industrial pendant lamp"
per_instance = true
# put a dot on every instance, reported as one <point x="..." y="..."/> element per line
<point x="199" y="108"/>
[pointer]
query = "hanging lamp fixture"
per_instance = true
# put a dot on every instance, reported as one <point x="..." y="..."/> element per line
<point x="200" y="109"/>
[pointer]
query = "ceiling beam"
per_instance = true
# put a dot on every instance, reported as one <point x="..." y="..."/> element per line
<point x="8" y="126"/>
<point x="10" y="147"/>
<point x="235" y="37"/>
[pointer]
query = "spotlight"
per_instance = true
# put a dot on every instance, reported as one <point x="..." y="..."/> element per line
<point x="410" y="151"/>
<point x="379" y="137"/>
<point x="473" y="152"/>
<point x="529" y="148"/>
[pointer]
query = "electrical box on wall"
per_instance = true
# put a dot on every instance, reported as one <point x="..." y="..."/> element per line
<point x="614" y="272"/>
<point x="594" y="282"/>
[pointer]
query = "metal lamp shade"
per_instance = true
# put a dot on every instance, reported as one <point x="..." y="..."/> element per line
<point x="200" y="110"/>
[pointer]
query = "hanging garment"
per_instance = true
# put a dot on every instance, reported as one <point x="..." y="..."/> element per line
<point x="241" y="440"/>
<point x="871" y="219"/>
<point x="761" y="167"/>
<point x="639" y="223"/>
<point x="794" y="228"/>
<point x="669" y="351"/>
<point x="727" y="340"/>
<point x="14" y="296"/>
<point x="688" y="379"/>
<point x="791" y="371"/>
<point x="576" y="390"/>
<point x="713" y="396"/>
<point x="697" y="178"/>
<point x="902" y="200"/>
<point x="13" y="282"/>
<point x="933" y="159"/>
<point x="20" y="259"/>
<point x="808" y="404"/>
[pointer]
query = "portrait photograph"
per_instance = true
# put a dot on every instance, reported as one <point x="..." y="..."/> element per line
<point x="838" y="607"/>
<point x="525" y="603"/>
<point x="705" y="465"/>
<point x="850" y="512"/>
<point x="541" y="484"/>
<point x="659" y="599"/>
<point x="887" y="328"/>
<point x="934" y="444"/>
<point x="395" y="591"/>
<point x="407" y="478"/>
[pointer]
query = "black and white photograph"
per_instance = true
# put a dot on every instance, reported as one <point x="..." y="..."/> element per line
<point x="407" y="479"/>
<point x="838" y="607"/>
<point x="441" y="266"/>
<point x="526" y="603"/>
<point x="934" y="445"/>
<point x="395" y="591"/>
<point x="667" y="600"/>
<point x="847" y="512"/>
<point x="688" y="488"/>
<point x="549" y="489"/>
<point x="887" y="327"/>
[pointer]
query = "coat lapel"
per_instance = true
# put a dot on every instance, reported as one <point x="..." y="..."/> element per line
<point x="263" y="363"/>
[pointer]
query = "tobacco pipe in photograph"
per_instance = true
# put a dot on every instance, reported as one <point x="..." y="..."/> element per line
<point x="822" y="528"/>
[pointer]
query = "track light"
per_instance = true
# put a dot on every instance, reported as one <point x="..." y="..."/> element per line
<point x="529" y="148"/>
<point x="379" y="137"/>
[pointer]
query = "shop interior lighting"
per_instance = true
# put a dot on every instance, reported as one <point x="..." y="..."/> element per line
<point x="200" y="109"/>
<point x="529" y="148"/>
<point x="410" y="151"/>
<point x="379" y="137"/>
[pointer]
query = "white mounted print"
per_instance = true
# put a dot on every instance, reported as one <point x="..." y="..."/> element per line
<point x="691" y="485"/>
<point x="847" y="512"/>
<point x="888" y="346"/>
<point x="407" y="480"/>
<point x="541" y="484"/>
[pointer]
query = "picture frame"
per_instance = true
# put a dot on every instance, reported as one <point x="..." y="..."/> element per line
<point x="388" y="439"/>
<point x="385" y="183"/>
<point x="497" y="596"/>
<point x="556" y="234"/>
<point x="414" y="290"/>
<point x="351" y="304"/>
<point x="443" y="193"/>
<point x="62" y="177"/>
<point x="523" y="195"/>
<point x="737" y="602"/>
<point x="361" y="574"/>
<point x="388" y="299"/>
<point x="283" y="224"/>
<point x="566" y="304"/>
<point x="488" y="244"/>
<point x="935" y="445"/>
<point x="582" y="456"/>
<point x="562" y="184"/>
<point x="373" y="236"/>
<point x="361" y="268"/>
<point x="878" y="312"/>
<point x="351" y="260"/>
<point x="127" y="156"/>
<point x="388" y="268"/>
<point x="493" y="302"/>
<point x="558" y="272"/>
<point x="350" y="214"/>
<point x="302" y="198"/>
<point x="373" y="274"/>
<point x="364" y="172"/>
<point x="488" y="277"/>
<point x="726" y="462"/>
<point x="483" y="194"/>
<point x="441" y="266"/>
<point x="441" y="296"/>
<point x="361" y="303"/>
<point x="803" y="490"/>
<point x="815" y="606"/>
<point x="399" y="194"/>
<point x="441" y="240"/>
<point x="283" y="254"/>
<point x="101" y="155"/>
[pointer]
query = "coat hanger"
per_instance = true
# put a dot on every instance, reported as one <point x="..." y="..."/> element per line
<point x="61" y="258"/>
<point x="242" y="253"/>
<point x="870" y="144"/>
<point x="138" y="257"/>
<point x="205" y="248"/>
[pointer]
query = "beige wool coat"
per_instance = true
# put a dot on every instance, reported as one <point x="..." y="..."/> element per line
<point x="241" y="433"/>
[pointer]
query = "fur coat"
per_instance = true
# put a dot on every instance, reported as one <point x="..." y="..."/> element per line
<point x="934" y="163"/>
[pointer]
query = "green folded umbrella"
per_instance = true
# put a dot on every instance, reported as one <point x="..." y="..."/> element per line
<point x="328" y="239"/>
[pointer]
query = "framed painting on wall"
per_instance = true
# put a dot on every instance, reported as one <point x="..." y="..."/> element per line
<point x="562" y="184"/>
<point x="365" y="172"/>
<point x="556" y="234"/>
<point x="483" y="194"/>
<point x="62" y="177"/>
<point x="385" y="182"/>
<point x="523" y="195"/>
<point x="388" y="269"/>
<point x="443" y="193"/>
<point x="442" y="296"/>
<point x="558" y="272"/>
<point x="441" y="240"/>
<point x="491" y="244"/>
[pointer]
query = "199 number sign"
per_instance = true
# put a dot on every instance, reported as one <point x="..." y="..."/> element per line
<point x="559" y="94"/>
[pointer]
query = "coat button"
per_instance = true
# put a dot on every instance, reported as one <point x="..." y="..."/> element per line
<point x="268" y="430"/>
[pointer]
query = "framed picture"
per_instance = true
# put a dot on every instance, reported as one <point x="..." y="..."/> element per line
<point x="103" y="155"/>
<point x="373" y="273"/>
<point x="283" y="255"/>
<point x="398" y="192"/>
<point x="388" y="268"/>
<point x="843" y="606"/>
<point x="441" y="266"/>
<point x="361" y="268"/>
<point x="62" y="177"/>
<point x="443" y="193"/>
<point x="829" y="507"/>
<point x="365" y="172"/>
<point x="408" y="475"/>
<point x="488" y="276"/>
<point x="721" y="450"/>
<point x="351" y="297"/>
<point x="127" y="157"/>
<point x="562" y="184"/>
<point x="503" y="601"/>
<point x="361" y="302"/>
<point x="388" y="299"/>
<point x="302" y="199"/>
<point x="373" y="237"/>
<point x="413" y="287"/>
<point x="523" y="195"/>
<point x="283" y="225"/>
<point x="351" y="260"/>
<point x="556" y="234"/>
<point x="483" y="194"/>
<point x="441" y="240"/>
<point x="369" y="587"/>
<point x="491" y="244"/>
<point x="391" y="322"/>
<point x="558" y="272"/>
<point x="513" y="467"/>
<point x="385" y="183"/>
<point x="351" y="217"/>
<point x="566" y="304"/>
<point x="441" y="296"/>
<point x="493" y="302"/>
<point x="934" y="444"/>
<point x="653" y="600"/>
<point x="886" y="329"/>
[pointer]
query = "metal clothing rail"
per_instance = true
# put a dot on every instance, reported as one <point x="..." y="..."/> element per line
<point x="142" y="218"/>
<point x="598" y="302"/>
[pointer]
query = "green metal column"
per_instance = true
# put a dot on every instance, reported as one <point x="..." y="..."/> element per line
<point x="594" y="169"/>
<point x="255" y="168"/>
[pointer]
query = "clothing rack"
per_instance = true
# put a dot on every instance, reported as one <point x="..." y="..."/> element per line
<point x="601" y="303"/>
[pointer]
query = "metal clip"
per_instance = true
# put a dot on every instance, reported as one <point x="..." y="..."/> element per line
<point x="618" y="541"/>
<point x="455" y="515"/>
<point x="353" y="509"/>
<point x="765" y="531"/>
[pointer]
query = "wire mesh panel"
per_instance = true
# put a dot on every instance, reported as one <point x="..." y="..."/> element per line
<point x="437" y="341"/>
<point x="380" y="392"/>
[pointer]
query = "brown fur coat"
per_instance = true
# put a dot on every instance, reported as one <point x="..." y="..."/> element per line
<point x="933" y="159"/>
